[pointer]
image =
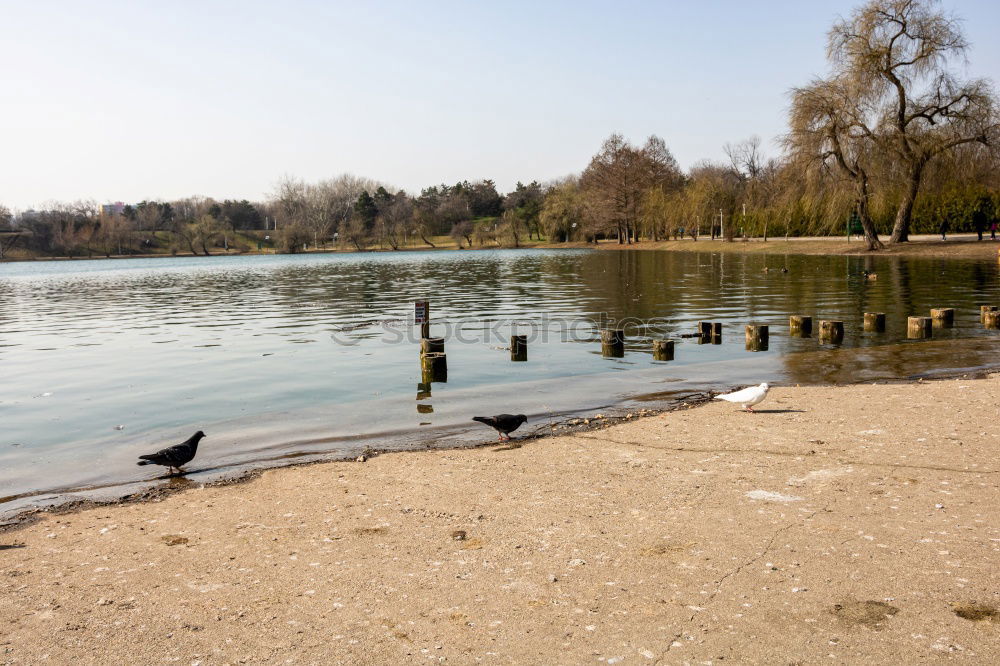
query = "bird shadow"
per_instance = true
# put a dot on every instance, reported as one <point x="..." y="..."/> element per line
<point x="177" y="479"/>
<point x="778" y="411"/>
<point x="510" y="445"/>
<point x="9" y="546"/>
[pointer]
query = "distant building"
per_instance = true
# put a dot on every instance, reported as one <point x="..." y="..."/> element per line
<point x="112" y="209"/>
<point x="25" y="216"/>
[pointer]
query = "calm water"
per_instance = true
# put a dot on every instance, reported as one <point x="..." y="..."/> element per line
<point x="278" y="357"/>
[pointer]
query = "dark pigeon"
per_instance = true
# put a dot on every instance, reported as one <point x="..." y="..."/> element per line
<point x="174" y="456"/>
<point x="503" y="423"/>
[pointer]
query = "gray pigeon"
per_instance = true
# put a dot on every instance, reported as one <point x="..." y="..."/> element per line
<point x="174" y="457"/>
<point x="503" y="423"/>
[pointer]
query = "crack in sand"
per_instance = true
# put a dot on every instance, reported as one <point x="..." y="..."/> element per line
<point x="735" y="572"/>
<point x="785" y="454"/>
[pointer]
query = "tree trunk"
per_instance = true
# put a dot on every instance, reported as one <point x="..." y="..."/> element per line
<point x="871" y="235"/>
<point x="901" y="227"/>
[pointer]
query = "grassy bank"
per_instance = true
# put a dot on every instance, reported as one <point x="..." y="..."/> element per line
<point x="245" y="243"/>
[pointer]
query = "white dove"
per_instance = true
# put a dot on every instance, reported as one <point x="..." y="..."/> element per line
<point x="747" y="397"/>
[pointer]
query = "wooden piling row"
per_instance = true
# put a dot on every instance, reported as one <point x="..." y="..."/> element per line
<point x="434" y="364"/>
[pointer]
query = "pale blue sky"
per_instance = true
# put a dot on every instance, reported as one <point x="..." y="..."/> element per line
<point x="133" y="100"/>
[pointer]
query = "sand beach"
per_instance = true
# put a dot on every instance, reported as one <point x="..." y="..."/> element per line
<point x="839" y="525"/>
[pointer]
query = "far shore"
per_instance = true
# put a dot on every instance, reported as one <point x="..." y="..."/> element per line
<point x="958" y="246"/>
<point x="846" y="524"/>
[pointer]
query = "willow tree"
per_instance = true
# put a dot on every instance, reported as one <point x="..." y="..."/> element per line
<point x="562" y="211"/>
<point x="828" y="128"/>
<point x="895" y="55"/>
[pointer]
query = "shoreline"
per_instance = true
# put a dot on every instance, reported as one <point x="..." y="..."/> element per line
<point x="962" y="246"/>
<point x="612" y="415"/>
<point x="852" y="522"/>
<point x="161" y="487"/>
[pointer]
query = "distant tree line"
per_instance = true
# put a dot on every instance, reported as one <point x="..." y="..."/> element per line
<point x="891" y="141"/>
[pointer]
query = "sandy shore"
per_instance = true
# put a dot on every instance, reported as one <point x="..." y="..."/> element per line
<point x="841" y="525"/>
<point x="964" y="246"/>
<point x="958" y="246"/>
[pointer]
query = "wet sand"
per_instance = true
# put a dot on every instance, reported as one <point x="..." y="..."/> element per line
<point x="839" y="525"/>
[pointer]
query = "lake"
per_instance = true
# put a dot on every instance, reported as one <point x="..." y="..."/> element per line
<point x="284" y="359"/>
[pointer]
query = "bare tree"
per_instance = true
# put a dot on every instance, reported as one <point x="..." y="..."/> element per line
<point x="827" y="128"/>
<point x="206" y="232"/>
<point x="746" y="157"/>
<point x="894" y="55"/>
<point x="512" y="226"/>
<point x="463" y="230"/>
<point x="6" y="218"/>
<point x="395" y="217"/>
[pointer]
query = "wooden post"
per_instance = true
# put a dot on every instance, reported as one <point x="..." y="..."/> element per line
<point x="716" y="331"/>
<point x="663" y="350"/>
<point x="875" y="321"/>
<point x="983" y="309"/>
<point x="918" y="327"/>
<point x="425" y="409"/>
<point x="800" y="326"/>
<point x="519" y="348"/>
<point x="434" y="367"/>
<point x="613" y="342"/>
<point x="991" y="319"/>
<point x="757" y="337"/>
<point x="705" y="329"/>
<point x="944" y="317"/>
<point x="423" y="391"/>
<point x="831" y="330"/>
<point x="431" y="346"/>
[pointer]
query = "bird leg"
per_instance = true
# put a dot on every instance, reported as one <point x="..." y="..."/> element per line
<point x="750" y="409"/>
